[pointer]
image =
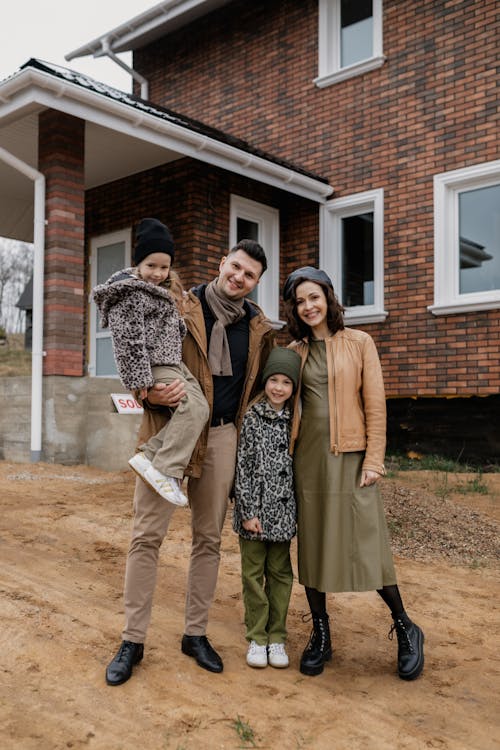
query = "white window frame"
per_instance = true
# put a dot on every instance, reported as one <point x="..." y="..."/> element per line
<point x="447" y="187"/>
<point x="329" y="44"/>
<point x="330" y="250"/>
<point x="123" y="235"/>
<point x="268" y="221"/>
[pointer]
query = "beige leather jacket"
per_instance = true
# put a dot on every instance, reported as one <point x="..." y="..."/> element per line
<point x="356" y="396"/>
<point x="194" y="356"/>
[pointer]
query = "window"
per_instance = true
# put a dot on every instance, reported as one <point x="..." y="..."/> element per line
<point x="256" y="221"/>
<point x="467" y="239"/>
<point x="108" y="253"/>
<point x="352" y="253"/>
<point x="350" y="39"/>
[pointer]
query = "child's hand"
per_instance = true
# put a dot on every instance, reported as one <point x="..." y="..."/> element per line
<point x="253" y="525"/>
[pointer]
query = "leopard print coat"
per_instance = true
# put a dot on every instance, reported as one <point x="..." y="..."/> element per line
<point x="264" y="476"/>
<point x="145" y="324"/>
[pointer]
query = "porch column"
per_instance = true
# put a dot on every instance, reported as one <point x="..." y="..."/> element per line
<point x="61" y="160"/>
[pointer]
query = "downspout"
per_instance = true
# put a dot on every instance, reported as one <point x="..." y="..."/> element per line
<point x="108" y="52"/>
<point x="37" y="352"/>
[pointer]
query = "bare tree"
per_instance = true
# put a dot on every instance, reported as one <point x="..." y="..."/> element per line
<point x="16" y="267"/>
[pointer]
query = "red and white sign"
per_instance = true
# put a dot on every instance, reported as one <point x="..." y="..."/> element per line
<point x="125" y="403"/>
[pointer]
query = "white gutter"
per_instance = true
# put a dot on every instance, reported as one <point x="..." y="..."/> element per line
<point x="84" y="103"/>
<point x="108" y="52"/>
<point x="37" y="352"/>
<point x="149" y="25"/>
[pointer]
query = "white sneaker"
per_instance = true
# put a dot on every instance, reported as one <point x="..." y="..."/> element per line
<point x="166" y="487"/>
<point x="256" y="655"/>
<point x="277" y="655"/>
<point x="140" y="464"/>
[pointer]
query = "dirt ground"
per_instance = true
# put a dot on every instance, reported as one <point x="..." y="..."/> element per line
<point x="63" y="540"/>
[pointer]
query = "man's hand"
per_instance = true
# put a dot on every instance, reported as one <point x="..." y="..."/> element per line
<point x="171" y="395"/>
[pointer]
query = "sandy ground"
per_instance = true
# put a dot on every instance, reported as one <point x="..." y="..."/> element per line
<point x="63" y="539"/>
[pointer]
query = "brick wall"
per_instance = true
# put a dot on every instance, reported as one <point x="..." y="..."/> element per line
<point x="432" y="107"/>
<point x="61" y="158"/>
<point x="193" y="200"/>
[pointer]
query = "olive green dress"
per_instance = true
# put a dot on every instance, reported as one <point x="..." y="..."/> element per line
<point x="343" y="541"/>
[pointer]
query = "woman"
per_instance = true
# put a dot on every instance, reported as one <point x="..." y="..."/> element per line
<point x="339" y="444"/>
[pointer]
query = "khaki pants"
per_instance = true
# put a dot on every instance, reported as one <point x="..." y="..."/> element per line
<point x="267" y="577"/>
<point x="171" y="448"/>
<point x="208" y="497"/>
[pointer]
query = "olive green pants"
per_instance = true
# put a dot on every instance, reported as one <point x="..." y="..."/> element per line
<point x="267" y="577"/>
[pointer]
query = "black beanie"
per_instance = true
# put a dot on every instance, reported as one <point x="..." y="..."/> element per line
<point x="282" y="362"/>
<point x="306" y="273"/>
<point x="152" y="237"/>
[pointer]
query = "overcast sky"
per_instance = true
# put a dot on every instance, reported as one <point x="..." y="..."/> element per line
<point x="52" y="28"/>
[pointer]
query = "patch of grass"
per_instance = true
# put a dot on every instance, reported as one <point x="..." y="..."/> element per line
<point x="15" y="360"/>
<point x="474" y="485"/>
<point x="394" y="526"/>
<point x="244" y="732"/>
<point x="420" y="462"/>
<point x="442" y="488"/>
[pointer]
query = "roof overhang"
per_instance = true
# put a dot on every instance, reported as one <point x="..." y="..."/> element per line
<point x="146" y="27"/>
<point x="123" y="136"/>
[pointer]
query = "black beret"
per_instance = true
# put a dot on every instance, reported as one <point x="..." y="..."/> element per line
<point x="306" y="273"/>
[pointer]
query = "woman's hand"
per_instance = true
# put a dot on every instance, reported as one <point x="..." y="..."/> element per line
<point x="368" y="478"/>
<point x="171" y="395"/>
<point x="253" y="525"/>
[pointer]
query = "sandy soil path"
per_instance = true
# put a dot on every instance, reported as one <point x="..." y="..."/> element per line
<point x="63" y="539"/>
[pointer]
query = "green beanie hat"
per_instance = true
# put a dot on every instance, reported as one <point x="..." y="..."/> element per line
<point x="282" y="362"/>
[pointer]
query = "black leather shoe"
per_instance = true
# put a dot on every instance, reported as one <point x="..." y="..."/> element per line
<point x="410" y="647"/>
<point x="120" y="669"/>
<point x="198" y="646"/>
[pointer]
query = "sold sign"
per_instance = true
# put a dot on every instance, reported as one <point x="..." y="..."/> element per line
<point x="124" y="403"/>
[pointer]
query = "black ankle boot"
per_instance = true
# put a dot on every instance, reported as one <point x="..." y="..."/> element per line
<point x="319" y="649"/>
<point x="410" y="647"/>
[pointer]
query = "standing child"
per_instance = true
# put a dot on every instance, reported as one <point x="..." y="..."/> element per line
<point x="265" y="510"/>
<point x="140" y="306"/>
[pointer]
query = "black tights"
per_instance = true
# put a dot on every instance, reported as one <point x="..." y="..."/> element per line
<point x="390" y="594"/>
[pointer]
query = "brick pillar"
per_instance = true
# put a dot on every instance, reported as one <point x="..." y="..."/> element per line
<point x="61" y="160"/>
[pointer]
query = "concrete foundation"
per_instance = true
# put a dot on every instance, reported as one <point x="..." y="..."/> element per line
<point x="79" y="425"/>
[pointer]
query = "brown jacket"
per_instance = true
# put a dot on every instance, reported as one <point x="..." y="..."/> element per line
<point x="356" y="396"/>
<point x="194" y="356"/>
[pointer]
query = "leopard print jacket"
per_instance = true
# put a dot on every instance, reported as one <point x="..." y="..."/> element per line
<point x="146" y="328"/>
<point x="264" y="475"/>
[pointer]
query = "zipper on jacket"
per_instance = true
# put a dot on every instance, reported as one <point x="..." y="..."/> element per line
<point x="335" y="414"/>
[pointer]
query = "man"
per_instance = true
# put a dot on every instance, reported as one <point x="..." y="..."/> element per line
<point x="227" y="343"/>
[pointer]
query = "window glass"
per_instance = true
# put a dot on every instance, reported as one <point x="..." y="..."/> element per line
<point x="479" y="239"/>
<point x="105" y="361"/>
<point x="246" y="230"/>
<point x="352" y="252"/>
<point x="356" y="25"/>
<point x="108" y="254"/>
<point x="357" y="260"/>
<point x="110" y="258"/>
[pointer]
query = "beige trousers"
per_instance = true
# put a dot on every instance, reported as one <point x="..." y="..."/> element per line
<point x="208" y="498"/>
